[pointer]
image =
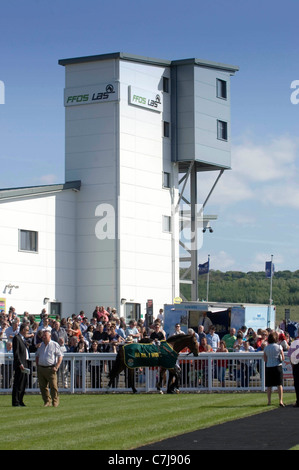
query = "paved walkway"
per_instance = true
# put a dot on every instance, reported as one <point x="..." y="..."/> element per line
<point x="273" y="430"/>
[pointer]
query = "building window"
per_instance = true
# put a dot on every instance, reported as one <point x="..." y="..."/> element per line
<point x="166" y="179"/>
<point x="166" y="223"/>
<point x="55" y="309"/>
<point x="221" y="130"/>
<point x="166" y="84"/>
<point x="221" y="87"/>
<point x="28" y="241"/>
<point x="166" y="129"/>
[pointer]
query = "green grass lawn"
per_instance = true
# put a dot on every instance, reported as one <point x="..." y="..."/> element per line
<point x="119" y="421"/>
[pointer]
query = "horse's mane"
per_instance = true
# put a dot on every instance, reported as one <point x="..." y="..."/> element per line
<point x="177" y="337"/>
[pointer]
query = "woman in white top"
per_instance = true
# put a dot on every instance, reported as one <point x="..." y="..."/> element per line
<point x="273" y="357"/>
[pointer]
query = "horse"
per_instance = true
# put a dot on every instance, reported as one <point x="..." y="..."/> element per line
<point x="168" y="349"/>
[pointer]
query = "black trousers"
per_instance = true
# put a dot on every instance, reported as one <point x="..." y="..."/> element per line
<point x="296" y="381"/>
<point x="19" y="385"/>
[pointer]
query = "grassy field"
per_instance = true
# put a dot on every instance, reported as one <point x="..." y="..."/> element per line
<point x="118" y="421"/>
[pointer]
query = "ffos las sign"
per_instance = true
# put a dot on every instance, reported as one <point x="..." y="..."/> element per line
<point x="145" y="99"/>
<point x="101" y="93"/>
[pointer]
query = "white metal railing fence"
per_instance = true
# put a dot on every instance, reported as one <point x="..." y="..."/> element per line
<point x="88" y="372"/>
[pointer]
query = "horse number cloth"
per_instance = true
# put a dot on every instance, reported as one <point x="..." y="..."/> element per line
<point x="150" y="355"/>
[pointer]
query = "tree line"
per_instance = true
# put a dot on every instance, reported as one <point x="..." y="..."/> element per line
<point x="250" y="287"/>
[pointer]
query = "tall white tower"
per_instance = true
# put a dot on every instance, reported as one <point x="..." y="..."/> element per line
<point x="133" y="124"/>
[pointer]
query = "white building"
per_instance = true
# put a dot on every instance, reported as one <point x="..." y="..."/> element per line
<point x="110" y="234"/>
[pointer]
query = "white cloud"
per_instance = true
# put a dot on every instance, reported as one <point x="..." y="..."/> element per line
<point x="221" y="261"/>
<point x="282" y="195"/>
<point x="266" y="173"/>
<point x="259" y="259"/>
<point x="262" y="163"/>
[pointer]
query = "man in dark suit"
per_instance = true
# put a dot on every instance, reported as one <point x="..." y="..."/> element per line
<point x="21" y="356"/>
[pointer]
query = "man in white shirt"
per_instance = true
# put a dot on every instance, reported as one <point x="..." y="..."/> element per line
<point x="205" y="321"/>
<point x="48" y="360"/>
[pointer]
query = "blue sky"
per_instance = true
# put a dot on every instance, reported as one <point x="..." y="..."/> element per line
<point x="257" y="202"/>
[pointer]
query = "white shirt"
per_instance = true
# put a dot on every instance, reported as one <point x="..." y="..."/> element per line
<point x="24" y="341"/>
<point x="205" y="322"/>
<point x="47" y="354"/>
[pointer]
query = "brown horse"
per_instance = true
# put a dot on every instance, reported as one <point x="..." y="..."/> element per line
<point x="176" y="342"/>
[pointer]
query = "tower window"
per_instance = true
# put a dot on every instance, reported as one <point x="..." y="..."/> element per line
<point x="166" y="129"/>
<point x="221" y="87"/>
<point x="221" y="130"/>
<point x="166" y="223"/>
<point x="166" y="179"/>
<point x="166" y="84"/>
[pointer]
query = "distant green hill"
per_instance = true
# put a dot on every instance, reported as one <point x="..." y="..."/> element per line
<point x="251" y="287"/>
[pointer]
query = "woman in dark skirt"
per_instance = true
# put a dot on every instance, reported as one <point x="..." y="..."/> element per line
<point x="273" y="356"/>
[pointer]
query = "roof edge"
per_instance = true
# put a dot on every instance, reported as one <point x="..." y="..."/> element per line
<point x="207" y="64"/>
<point x="149" y="60"/>
<point x="114" y="55"/>
<point x="9" y="193"/>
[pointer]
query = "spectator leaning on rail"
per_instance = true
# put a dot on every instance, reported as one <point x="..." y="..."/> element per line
<point x="158" y="333"/>
<point x="133" y="331"/>
<point x="230" y="339"/>
<point x="213" y="339"/>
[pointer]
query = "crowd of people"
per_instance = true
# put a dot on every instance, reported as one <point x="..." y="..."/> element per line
<point x="103" y="332"/>
<point x="106" y="330"/>
<point x="243" y="340"/>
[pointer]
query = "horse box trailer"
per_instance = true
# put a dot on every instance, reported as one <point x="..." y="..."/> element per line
<point x="223" y="316"/>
